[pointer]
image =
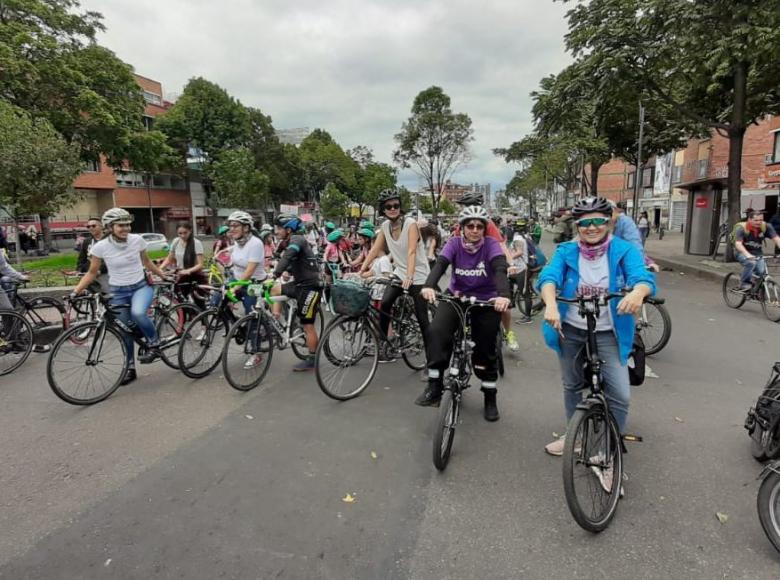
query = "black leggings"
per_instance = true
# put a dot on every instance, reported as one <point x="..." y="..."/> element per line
<point x="392" y="293"/>
<point x="484" y="332"/>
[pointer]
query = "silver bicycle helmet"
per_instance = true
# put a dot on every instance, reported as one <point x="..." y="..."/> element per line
<point x="241" y="217"/>
<point x="473" y="212"/>
<point x="116" y="215"/>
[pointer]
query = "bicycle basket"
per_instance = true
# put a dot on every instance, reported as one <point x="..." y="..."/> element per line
<point x="349" y="298"/>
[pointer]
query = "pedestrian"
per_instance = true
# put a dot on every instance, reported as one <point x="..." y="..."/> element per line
<point x="32" y="237"/>
<point x="644" y="227"/>
<point x="563" y="230"/>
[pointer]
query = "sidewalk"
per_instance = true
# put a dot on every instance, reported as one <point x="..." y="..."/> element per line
<point x="668" y="253"/>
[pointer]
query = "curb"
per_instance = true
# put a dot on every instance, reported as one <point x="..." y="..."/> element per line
<point x="698" y="271"/>
<point x="51" y="291"/>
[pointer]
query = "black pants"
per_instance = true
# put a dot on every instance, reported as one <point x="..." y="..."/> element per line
<point x="392" y="293"/>
<point x="484" y="332"/>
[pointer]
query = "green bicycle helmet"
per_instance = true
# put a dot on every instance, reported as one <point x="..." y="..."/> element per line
<point x="329" y="227"/>
<point x="222" y="230"/>
<point x="335" y="236"/>
<point x="369" y="233"/>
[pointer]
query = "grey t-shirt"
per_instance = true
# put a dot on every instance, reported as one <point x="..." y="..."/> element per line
<point x="180" y="247"/>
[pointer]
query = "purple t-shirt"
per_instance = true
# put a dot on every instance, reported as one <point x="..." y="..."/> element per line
<point x="471" y="273"/>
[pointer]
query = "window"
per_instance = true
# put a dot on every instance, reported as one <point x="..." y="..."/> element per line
<point x="129" y="179"/>
<point x="148" y="122"/>
<point x="776" y="155"/>
<point x="630" y="180"/>
<point x="152" y="98"/>
<point x="92" y="166"/>
<point x="701" y="169"/>
<point x="677" y="172"/>
<point x="647" y="176"/>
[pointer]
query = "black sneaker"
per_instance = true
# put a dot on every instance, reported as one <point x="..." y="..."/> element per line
<point x="149" y="356"/>
<point x="130" y="376"/>
<point x="386" y="354"/>
<point x="431" y="396"/>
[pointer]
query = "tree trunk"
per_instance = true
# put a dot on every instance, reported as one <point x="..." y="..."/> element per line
<point x="46" y="231"/>
<point x="594" y="178"/>
<point x="736" y="140"/>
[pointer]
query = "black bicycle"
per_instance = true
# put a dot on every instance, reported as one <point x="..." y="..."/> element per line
<point x="88" y="362"/>
<point x="455" y="379"/>
<point x="654" y="325"/>
<point x="16" y="341"/>
<point x="348" y="351"/>
<point x="525" y="298"/>
<point x="763" y="289"/>
<point x="768" y="502"/>
<point x="593" y="448"/>
<point x="763" y="419"/>
<point x="45" y="314"/>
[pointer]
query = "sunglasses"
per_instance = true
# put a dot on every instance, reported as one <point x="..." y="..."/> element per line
<point x="475" y="226"/>
<point x="587" y="222"/>
<point x="393" y="206"/>
<point x="93" y="225"/>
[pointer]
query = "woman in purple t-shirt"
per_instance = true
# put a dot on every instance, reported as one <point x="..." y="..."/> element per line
<point x="479" y="270"/>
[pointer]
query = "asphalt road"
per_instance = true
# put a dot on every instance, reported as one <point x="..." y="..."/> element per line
<point x="173" y="478"/>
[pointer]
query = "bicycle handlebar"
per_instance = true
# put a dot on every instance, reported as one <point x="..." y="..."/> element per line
<point x="469" y="300"/>
<point x="602" y="299"/>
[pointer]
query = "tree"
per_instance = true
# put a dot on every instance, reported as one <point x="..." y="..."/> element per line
<point x="37" y="167"/>
<point x="434" y="141"/>
<point x="53" y="68"/>
<point x="323" y="162"/>
<point x="713" y="63"/>
<point x="334" y="204"/>
<point x="237" y="182"/>
<point x="371" y="178"/>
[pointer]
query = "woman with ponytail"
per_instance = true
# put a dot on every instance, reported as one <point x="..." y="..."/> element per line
<point x="187" y="255"/>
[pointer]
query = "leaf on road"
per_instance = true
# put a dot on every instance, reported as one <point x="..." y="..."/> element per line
<point x="373" y="455"/>
<point x="711" y="319"/>
<point x="649" y="372"/>
<point x="679" y="420"/>
<point x="249" y="416"/>
<point x="722" y="518"/>
<point x="740" y="382"/>
<point x="107" y="563"/>
<point x="349" y="498"/>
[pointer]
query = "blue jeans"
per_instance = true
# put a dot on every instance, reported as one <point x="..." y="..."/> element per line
<point x="136" y="298"/>
<point x="750" y="267"/>
<point x="617" y="385"/>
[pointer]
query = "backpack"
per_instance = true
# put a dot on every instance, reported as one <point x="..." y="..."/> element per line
<point x="536" y="257"/>
<point x="636" y="361"/>
<point x="743" y="225"/>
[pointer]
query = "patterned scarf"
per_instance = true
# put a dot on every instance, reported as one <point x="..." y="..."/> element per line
<point x="593" y="252"/>
<point x="471" y="247"/>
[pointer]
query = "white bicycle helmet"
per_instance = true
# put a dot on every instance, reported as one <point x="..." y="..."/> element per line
<point x="241" y="217"/>
<point x="473" y="212"/>
<point x="116" y="215"/>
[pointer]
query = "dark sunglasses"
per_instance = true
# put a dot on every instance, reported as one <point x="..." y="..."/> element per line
<point x="587" y="222"/>
<point x="93" y="225"/>
<point x="392" y="206"/>
<point x="475" y="226"/>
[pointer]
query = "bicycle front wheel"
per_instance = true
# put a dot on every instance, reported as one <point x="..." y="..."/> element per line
<point x="16" y="341"/>
<point x="171" y="325"/>
<point x="246" y="356"/>
<point x="87" y="371"/>
<point x="410" y="337"/>
<point x="444" y="430"/>
<point x="770" y="300"/>
<point x="655" y="327"/>
<point x="200" y="347"/>
<point x="298" y="337"/>
<point x="347" y="357"/>
<point x="592" y="467"/>
<point x="768" y="503"/>
<point x="731" y="294"/>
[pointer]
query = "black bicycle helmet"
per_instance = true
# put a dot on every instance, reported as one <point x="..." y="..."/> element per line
<point x="387" y="195"/>
<point x="591" y="205"/>
<point x="471" y="198"/>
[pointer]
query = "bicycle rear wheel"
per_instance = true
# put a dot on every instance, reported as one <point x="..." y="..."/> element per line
<point x="768" y="504"/>
<point x="200" y="349"/>
<point x="444" y="430"/>
<point x="297" y="336"/>
<point x="654" y="326"/>
<point x="89" y="371"/>
<point x="592" y="467"/>
<point x="246" y="356"/>
<point x="47" y="318"/>
<point x="16" y="341"/>
<point x="171" y="325"/>
<point x="731" y="295"/>
<point x="770" y="300"/>
<point x="347" y="357"/>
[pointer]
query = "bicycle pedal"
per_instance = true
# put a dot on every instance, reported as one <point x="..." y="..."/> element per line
<point x="632" y="438"/>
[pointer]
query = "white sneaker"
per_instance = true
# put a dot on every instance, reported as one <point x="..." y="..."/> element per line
<point x="253" y="361"/>
<point x="556" y="447"/>
<point x="605" y="475"/>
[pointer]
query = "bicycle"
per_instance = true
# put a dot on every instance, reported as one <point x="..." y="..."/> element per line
<point x="763" y="419"/>
<point x="455" y="379"/>
<point x="768" y="502"/>
<point x="254" y="337"/>
<point x="593" y="447"/>
<point x="96" y="361"/>
<point x="16" y="341"/>
<point x="352" y="341"/>
<point x="44" y="313"/>
<point x="526" y="299"/>
<point x="763" y="289"/>
<point x="654" y="325"/>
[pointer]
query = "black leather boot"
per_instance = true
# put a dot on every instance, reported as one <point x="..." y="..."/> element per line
<point x="491" y="409"/>
<point x="130" y="376"/>
<point x="431" y="396"/>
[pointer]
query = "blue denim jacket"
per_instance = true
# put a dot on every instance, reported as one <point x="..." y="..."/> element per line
<point x="626" y="268"/>
<point x="627" y="230"/>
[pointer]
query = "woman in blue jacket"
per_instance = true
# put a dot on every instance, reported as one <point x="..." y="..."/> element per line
<point x="594" y="263"/>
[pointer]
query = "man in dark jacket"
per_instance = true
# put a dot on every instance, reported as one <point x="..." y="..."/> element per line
<point x="95" y="229"/>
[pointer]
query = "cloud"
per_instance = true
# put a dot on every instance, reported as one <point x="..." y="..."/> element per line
<point x="353" y="67"/>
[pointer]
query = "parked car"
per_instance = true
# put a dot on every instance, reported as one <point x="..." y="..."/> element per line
<point x="155" y="242"/>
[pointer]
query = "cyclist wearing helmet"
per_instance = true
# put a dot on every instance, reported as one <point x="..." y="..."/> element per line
<point x="223" y="242"/>
<point x="365" y="237"/>
<point x="471" y="198"/>
<point x="299" y="260"/>
<point x="400" y="237"/>
<point x="335" y="254"/>
<point x="479" y="270"/>
<point x="124" y="254"/>
<point x="266" y="235"/>
<point x="595" y="263"/>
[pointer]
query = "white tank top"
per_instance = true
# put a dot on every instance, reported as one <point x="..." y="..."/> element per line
<point x="399" y="250"/>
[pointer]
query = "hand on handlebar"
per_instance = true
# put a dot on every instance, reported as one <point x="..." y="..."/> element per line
<point x="631" y="303"/>
<point x="500" y="304"/>
<point x="428" y="294"/>
<point x="406" y="283"/>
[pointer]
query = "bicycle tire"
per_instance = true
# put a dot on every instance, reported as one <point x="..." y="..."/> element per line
<point x="11" y="343"/>
<point x="84" y="348"/>
<point x="237" y="376"/>
<point x="732" y="298"/>
<point x="298" y="346"/>
<point x="172" y="326"/>
<point x="576" y="447"/>
<point x="770" y="300"/>
<point x="654" y="343"/>
<point x="80" y="309"/>
<point x="212" y="326"/>
<point x="444" y="429"/>
<point x="768" y="506"/>
<point x="757" y="449"/>
<point x="359" y="343"/>
<point x="413" y="347"/>
<point x="46" y="313"/>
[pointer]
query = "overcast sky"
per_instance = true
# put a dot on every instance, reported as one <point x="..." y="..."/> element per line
<point x="353" y="67"/>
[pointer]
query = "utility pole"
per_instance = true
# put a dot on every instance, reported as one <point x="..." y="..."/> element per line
<point x="638" y="173"/>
